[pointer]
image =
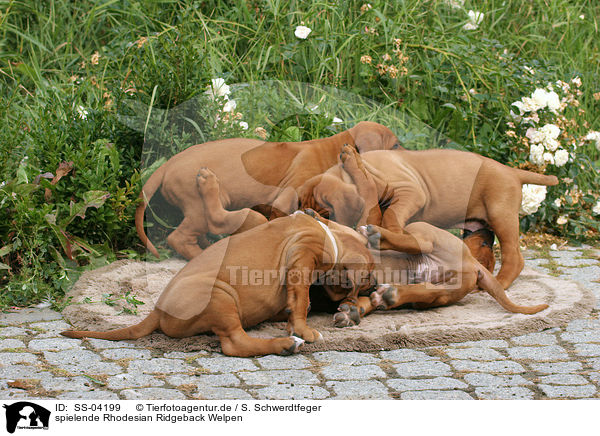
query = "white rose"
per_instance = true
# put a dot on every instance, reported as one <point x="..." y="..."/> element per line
<point x="539" y="98"/>
<point x="536" y="153"/>
<point x="561" y="157"/>
<point x="229" y="106"/>
<point x="551" y="144"/>
<point x="475" y="16"/>
<point x="596" y="208"/>
<point x="550" y="130"/>
<point x="302" y="32"/>
<point x="475" y="19"/>
<point x="558" y="202"/>
<point x="218" y="88"/>
<point x="562" y="220"/>
<point x="548" y="157"/>
<point x="533" y="196"/>
<point x="553" y="101"/>
<point x="521" y="106"/>
<point x="593" y="136"/>
<point x="244" y="125"/>
<point x="534" y="135"/>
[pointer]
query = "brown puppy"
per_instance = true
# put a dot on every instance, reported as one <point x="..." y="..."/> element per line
<point x="446" y="188"/>
<point x="252" y="173"/>
<point x="440" y="271"/>
<point x="251" y="277"/>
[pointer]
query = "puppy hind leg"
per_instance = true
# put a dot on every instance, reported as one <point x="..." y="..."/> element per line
<point x="384" y="239"/>
<point x="365" y="184"/>
<point x="389" y="296"/>
<point x="236" y="342"/>
<point x="219" y="220"/>
<point x="184" y="239"/>
<point x="512" y="261"/>
<point x="223" y="318"/>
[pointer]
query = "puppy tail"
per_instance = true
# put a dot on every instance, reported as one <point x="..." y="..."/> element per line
<point x="487" y="282"/>
<point x="535" y="178"/>
<point x="149" y="189"/>
<point x="144" y="328"/>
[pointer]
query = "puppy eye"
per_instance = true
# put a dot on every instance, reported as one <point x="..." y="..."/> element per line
<point x="395" y="146"/>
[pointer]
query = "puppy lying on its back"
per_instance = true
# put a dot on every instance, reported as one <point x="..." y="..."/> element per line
<point x="444" y="271"/>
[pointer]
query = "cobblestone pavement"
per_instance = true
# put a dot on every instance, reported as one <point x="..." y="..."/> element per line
<point x="35" y="362"/>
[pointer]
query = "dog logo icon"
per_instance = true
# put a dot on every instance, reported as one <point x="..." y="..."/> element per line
<point x="26" y="415"/>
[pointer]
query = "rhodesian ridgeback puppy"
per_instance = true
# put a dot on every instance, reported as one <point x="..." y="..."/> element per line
<point x="253" y="174"/>
<point x="401" y="268"/>
<point x="441" y="271"/>
<point x="446" y="188"/>
<point x="255" y="276"/>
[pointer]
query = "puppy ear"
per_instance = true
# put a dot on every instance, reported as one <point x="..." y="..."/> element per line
<point x="488" y="236"/>
<point x="330" y="194"/>
<point x="368" y="140"/>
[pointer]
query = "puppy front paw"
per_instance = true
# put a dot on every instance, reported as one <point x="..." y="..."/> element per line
<point x="308" y="334"/>
<point x="347" y="315"/>
<point x="297" y="343"/>
<point x="371" y="232"/>
<point x="384" y="296"/>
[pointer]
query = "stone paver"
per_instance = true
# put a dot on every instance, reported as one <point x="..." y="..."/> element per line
<point x="556" y="367"/>
<point x="546" y="353"/>
<point x="159" y="365"/>
<point x="585" y="391"/>
<point x="152" y="394"/>
<point x="490" y="380"/>
<point x="358" y="390"/>
<point x="427" y="368"/>
<point x="558" y="363"/>
<point x="436" y="395"/>
<point x="502" y="366"/>
<point x="512" y="393"/>
<point x="348" y="372"/>
<point x="277" y="376"/>
<point x="436" y="383"/>
<point x="476" y="353"/>
<point x="291" y="392"/>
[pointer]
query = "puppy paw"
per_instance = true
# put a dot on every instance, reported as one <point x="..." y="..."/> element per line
<point x="207" y="181"/>
<point x="372" y="234"/>
<point x="308" y="334"/>
<point x="348" y="315"/>
<point x="297" y="343"/>
<point x="311" y="212"/>
<point x="350" y="159"/>
<point x="384" y="296"/>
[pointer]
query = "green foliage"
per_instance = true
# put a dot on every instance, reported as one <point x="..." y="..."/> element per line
<point x="78" y="79"/>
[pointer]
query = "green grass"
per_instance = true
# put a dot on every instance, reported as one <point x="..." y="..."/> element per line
<point x="61" y="57"/>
